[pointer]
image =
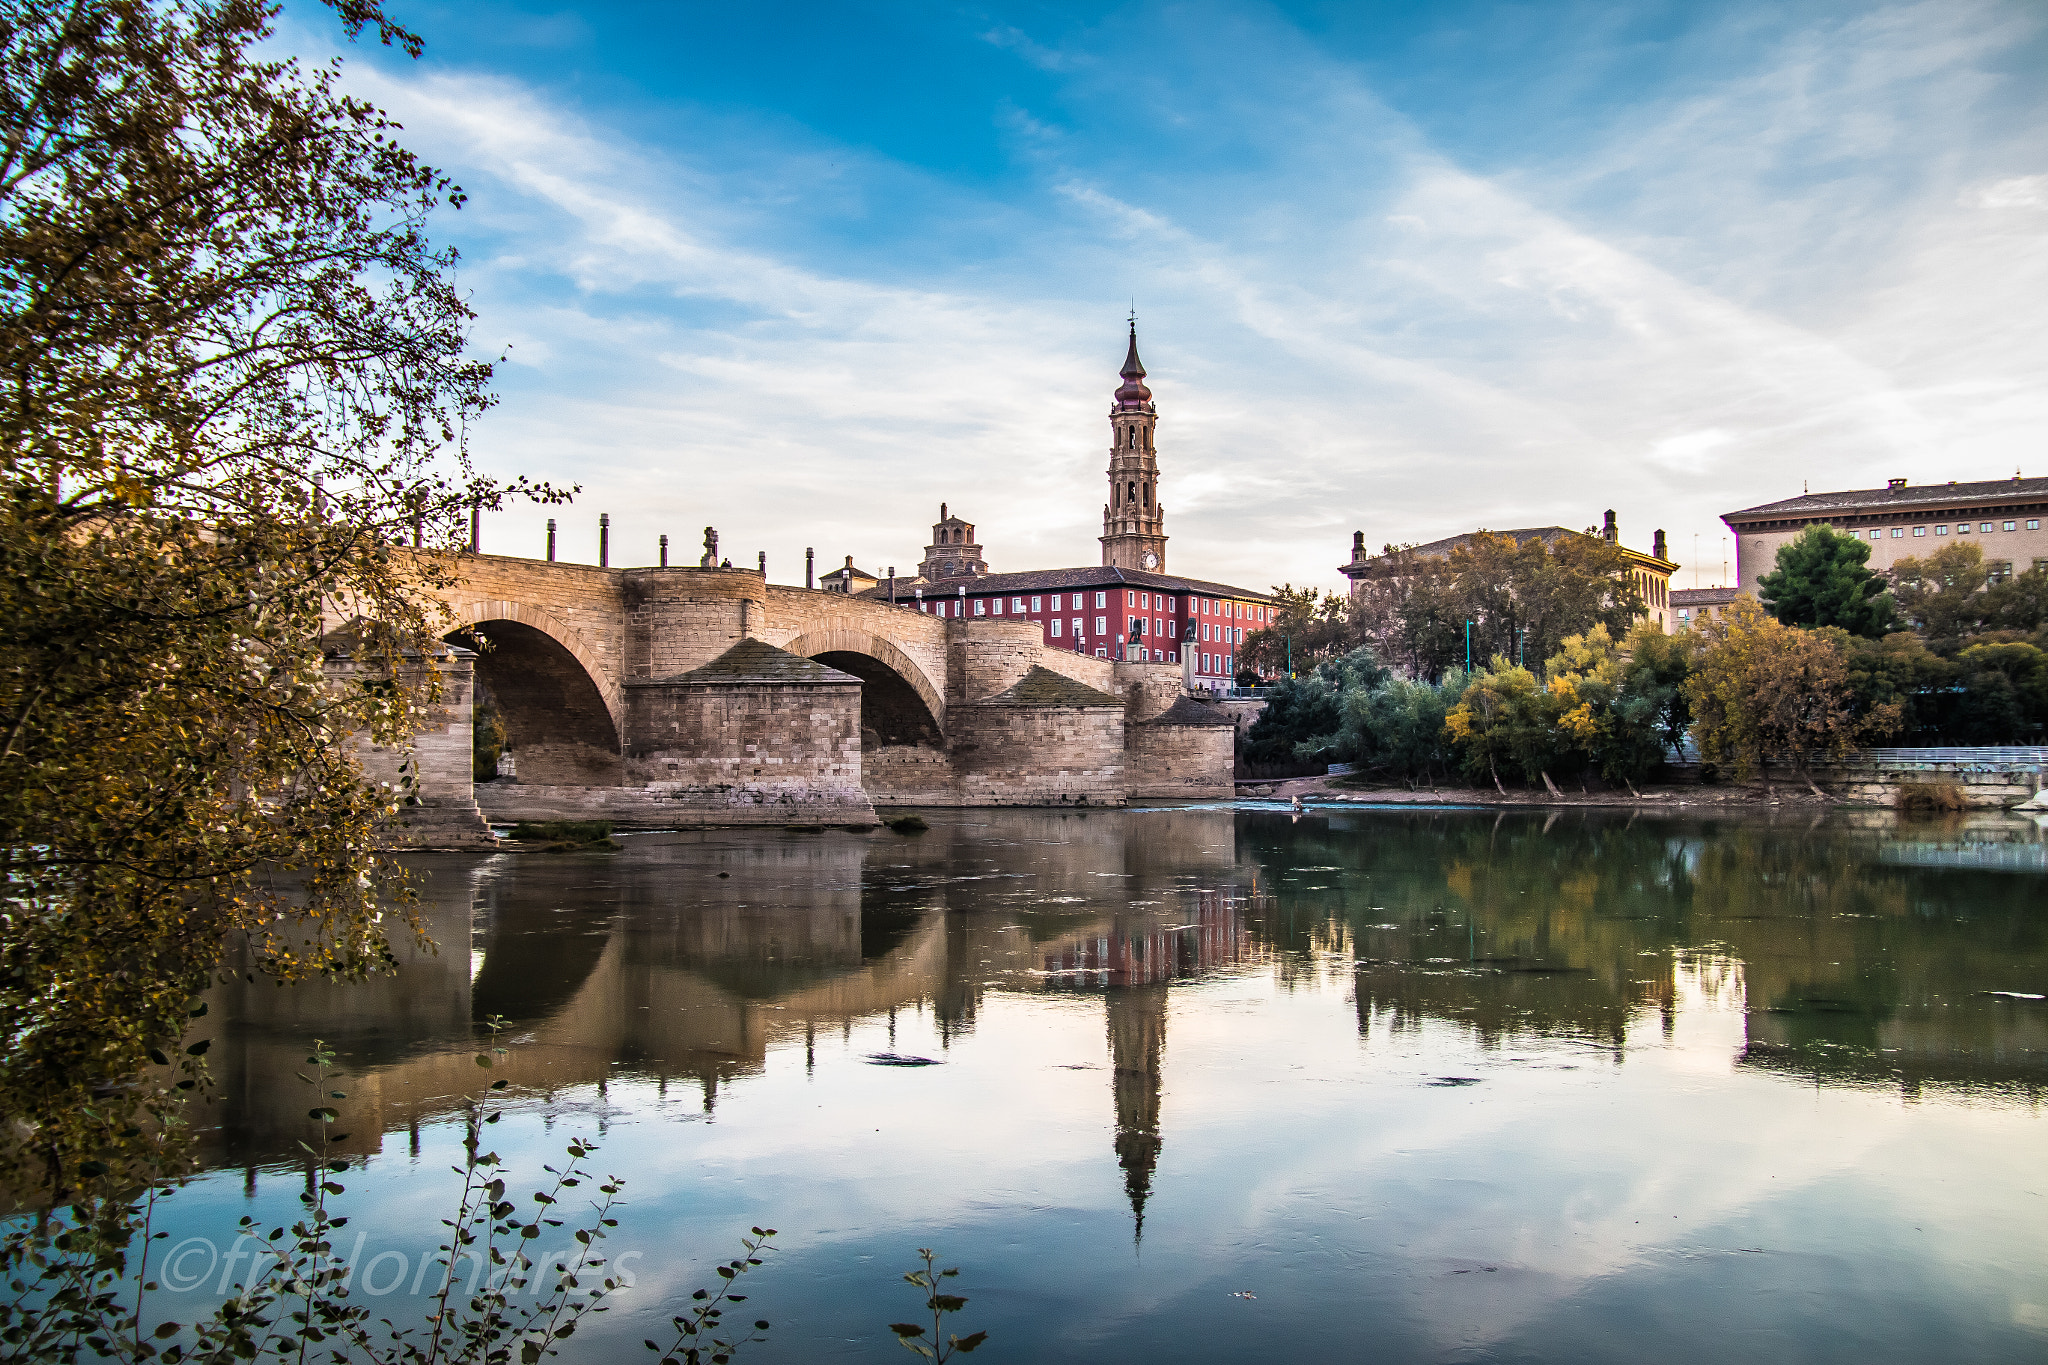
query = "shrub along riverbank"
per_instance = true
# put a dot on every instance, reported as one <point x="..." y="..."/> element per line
<point x="1747" y="689"/>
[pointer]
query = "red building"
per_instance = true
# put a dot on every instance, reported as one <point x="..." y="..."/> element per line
<point x="1129" y="607"/>
<point x="1110" y="613"/>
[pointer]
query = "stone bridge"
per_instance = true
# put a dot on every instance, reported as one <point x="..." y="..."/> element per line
<point x="683" y="697"/>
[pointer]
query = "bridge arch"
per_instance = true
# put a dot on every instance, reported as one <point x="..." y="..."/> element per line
<point x="559" y="708"/>
<point x="892" y="682"/>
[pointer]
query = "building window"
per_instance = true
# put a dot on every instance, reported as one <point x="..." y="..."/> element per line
<point x="1919" y="530"/>
<point x="2001" y="569"/>
<point x="1941" y="530"/>
<point x="2041" y="566"/>
<point x="1875" y="534"/>
<point x="1172" y="656"/>
<point x="1172" y="605"/>
<point x="1985" y="527"/>
<point x="1898" y="533"/>
<point x="2033" y="523"/>
<point x="1055" y="628"/>
<point x="1101" y="623"/>
<point x="1131" y="598"/>
<point x="2012" y="526"/>
<point x="1036" y="601"/>
<point x="1962" y="528"/>
<point x="996" y="607"/>
<point x="1102" y="654"/>
<point x="1077" y="627"/>
<point x="1102" y="599"/>
<point x="980" y="607"/>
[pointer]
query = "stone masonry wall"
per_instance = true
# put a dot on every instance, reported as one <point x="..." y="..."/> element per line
<point x="1007" y="755"/>
<point x="908" y="775"/>
<point x="1147" y="689"/>
<point x="1180" y="762"/>
<point x="440" y="756"/>
<point x="679" y="619"/>
<point x="750" y="746"/>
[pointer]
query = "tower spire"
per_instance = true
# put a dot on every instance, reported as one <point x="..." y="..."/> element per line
<point x="1133" y="393"/>
<point x="1133" y="522"/>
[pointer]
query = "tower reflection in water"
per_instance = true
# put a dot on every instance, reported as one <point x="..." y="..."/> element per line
<point x="1131" y="962"/>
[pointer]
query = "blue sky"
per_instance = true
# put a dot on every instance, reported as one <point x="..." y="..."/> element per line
<point x="803" y="271"/>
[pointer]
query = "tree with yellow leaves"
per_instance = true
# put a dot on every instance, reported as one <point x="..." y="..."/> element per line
<point x="1763" y="691"/>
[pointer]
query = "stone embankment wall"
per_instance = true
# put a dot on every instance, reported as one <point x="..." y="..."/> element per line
<point x="1987" y="779"/>
<point x="1985" y="783"/>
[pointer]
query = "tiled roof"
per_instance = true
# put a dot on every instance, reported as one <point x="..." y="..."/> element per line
<point x="1704" y="597"/>
<point x="1043" y="687"/>
<point x="757" y="661"/>
<point x="1904" y="498"/>
<point x="1059" y="580"/>
<point x="1187" y="711"/>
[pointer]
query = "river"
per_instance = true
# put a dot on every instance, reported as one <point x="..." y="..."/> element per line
<point x="1223" y="1084"/>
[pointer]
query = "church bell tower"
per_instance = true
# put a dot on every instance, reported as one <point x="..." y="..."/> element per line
<point x="1133" y="522"/>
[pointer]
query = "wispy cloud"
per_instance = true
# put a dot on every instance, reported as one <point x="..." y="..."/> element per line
<point x="1817" y="256"/>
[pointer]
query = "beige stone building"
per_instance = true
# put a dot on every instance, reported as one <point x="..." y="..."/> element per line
<point x="2001" y="516"/>
<point x="1650" y="572"/>
<point x="1692" y="606"/>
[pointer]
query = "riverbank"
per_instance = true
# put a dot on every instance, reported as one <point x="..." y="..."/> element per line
<point x="1676" y="796"/>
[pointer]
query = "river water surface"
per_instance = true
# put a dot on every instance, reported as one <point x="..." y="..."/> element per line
<point x="1216" y="1084"/>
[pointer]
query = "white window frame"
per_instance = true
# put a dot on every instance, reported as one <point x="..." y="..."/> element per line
<point x="1101" y="600"/>
<point x="1919" y="530"/>
<point x="1941" y="530"/>
<point x="1102" y="625"/>
<point x="1055" y="627"/>
<point x="980" y="607"/>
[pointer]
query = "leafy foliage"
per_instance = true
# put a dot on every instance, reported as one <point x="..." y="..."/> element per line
<point x="911" y="1335"/>
<point x="230" y="361"/>
<point x="1308" y="628"/>
<point x="76" y="1296"/>
<point x="1821" y="579"/>
<point x="1763" y="690"/>
<point x="1303" y="714"/>
<point x="1523" y="598"/>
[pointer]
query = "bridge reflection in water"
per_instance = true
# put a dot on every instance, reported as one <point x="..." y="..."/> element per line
<point x="690" y="958"/>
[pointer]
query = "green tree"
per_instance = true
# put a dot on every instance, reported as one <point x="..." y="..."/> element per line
<point x="235" y="380"/>
<point x="1303" y="715"/>
<point x="2019" y="603"/>
<point x="1506" y="718"/>
<point x="1522" y="597"/>
<point x="1821" y="579"/>
<point x="1900" y="670"/>
<point x="1658" y="666"/>
<point x="2004" y="694"/>
<point x="1396" y="730"/>
<point x="1942" y="596"/>
<point x="1762" y="690"/>
<point x="1309" y="627"/>
<point x="1614" y="714"/>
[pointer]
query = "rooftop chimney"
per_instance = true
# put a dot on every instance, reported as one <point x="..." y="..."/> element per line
<point x="1657" y="546"/>
<point x="1357" y="546"/>
<point x="1608" y="532"/>
<point x="1895" y="484"/>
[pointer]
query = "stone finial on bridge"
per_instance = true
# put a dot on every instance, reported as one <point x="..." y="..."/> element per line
<point x="710" y="559"/>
